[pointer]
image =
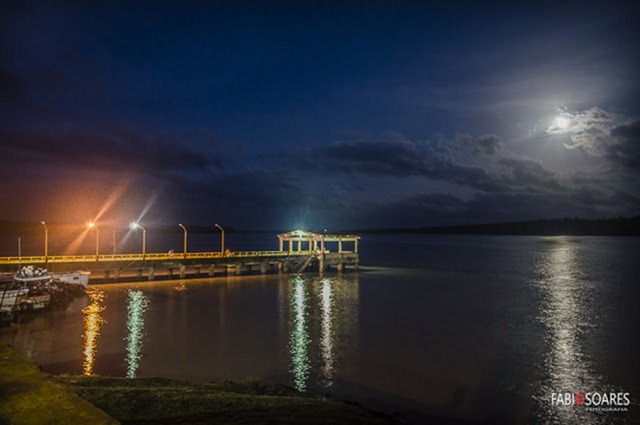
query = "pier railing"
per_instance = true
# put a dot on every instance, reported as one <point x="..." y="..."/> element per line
<point x="139" y="257"/>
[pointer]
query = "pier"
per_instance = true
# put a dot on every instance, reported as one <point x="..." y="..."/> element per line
<point x="298" y="251"/>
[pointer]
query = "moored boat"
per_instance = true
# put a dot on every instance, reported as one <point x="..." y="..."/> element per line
<point x="37" y="275"/>
<point x="11" y="295"/>
<point x="73" y="278"/>
<point x="33" y="289"/>
<point x="30" y="274"/>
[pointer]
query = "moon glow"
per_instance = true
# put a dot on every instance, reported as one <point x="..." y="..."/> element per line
<point x="561" y="122"/>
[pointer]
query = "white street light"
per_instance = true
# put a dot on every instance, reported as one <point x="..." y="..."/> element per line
<point x="185" y="239"/>
<point x="222" y="238"/>
<point x="134" y="226"/>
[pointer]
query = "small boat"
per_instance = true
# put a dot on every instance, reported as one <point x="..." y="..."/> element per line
<point x="34" y="288"/>
<point x="30" y="274"/>
<point x="74" y="278"/>
<point x="37" y="275"/>
<point x="11" y="295"/>
<point x="34" y="302"/>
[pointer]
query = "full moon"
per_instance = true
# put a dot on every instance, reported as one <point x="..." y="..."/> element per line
<point x="561" y="122"/>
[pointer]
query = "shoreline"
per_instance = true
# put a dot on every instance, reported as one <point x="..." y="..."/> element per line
<point x="31" y="396"/>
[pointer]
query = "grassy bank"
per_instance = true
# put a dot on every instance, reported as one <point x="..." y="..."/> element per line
<point x="165" y="401"/>
<point x="29" y="396"/>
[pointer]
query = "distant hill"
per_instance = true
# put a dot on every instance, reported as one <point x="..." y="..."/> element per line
<point x="544" y="227"/>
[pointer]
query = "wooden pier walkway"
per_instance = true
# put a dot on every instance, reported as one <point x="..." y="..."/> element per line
<point x="303" y="250"/>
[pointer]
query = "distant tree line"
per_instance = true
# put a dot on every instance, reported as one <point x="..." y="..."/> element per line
<point x="544" y="227"/>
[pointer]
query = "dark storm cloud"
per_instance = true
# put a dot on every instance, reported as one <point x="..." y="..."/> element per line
<point x="105" y="148"/>
<point x="527" y="172"/>
<point x="489" y="143"/>
<point x="626" y="149"/>
<point x="398" y="157"/>
<point x="395" y="156"/>
<point x="392" y="156"/>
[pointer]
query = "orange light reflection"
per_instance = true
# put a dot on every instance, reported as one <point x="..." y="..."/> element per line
<point x="92" y="323"/>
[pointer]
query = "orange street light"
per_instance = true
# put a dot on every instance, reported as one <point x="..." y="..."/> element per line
<point x="46" y="242"/>
<point x="92" y="225"/>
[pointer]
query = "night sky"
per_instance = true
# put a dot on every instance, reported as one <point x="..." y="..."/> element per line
<point x="319" y="114"/>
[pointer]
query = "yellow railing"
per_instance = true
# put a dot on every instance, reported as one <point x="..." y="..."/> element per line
<point x="139" y="257"/>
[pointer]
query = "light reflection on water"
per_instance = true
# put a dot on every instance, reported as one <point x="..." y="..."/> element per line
<point x="323" y="329"/>
<point x="92" y="322"/>
<point x="565" y="314"/>
<point x="326" y="332"/>
<point x="319" y="318"/>
<point x="136" y="307"/>
<point x="299" y="334"/>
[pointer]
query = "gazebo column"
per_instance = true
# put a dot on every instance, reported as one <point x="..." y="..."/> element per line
<point x="280" y="243"/>
<point x="340" y="246"/>
<point x="356" y="245"/>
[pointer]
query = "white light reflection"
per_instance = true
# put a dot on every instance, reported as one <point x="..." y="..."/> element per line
<point x="566" y="316"/>
<point x="137" y="305"/>
<point x="299" y="339"/>
<point x="326" y="331"/>
<point x="92" y="322"/>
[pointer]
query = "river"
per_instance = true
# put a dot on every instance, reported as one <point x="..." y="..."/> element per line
<point x="475" y="328"/>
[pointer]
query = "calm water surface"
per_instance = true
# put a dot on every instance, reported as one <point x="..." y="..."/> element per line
<point x="471" y="327"/>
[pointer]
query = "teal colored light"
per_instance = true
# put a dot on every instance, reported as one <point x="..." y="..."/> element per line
<point x="137" y="305"/>
<point x="326" y="329"/>
<point x="299" y="340"/>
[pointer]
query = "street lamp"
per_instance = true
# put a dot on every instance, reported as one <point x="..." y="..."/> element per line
<point x="185" y="239"/>
<point x="222" y="239"/>
<point x="92" y="225"/>
<point x="46" y="242"/>
<point x="134" y="226"/>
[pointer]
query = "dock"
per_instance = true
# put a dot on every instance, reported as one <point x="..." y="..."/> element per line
<point x="299" y="251"/>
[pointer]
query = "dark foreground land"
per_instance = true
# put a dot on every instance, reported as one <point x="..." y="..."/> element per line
<point x="29" y="396"/>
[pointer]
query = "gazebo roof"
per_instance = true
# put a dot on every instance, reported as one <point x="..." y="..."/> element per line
<point x="299" y="234"/>
<point x="303" y="234"/>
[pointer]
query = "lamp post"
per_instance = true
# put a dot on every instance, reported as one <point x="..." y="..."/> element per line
<point x="222" y="238"/>
<point x="46" y="243"/>
<point x="185" y="239"/>
<point x="134" y="226"/>
<point x="114" y="241"/>
<point x="92" y="225"/>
